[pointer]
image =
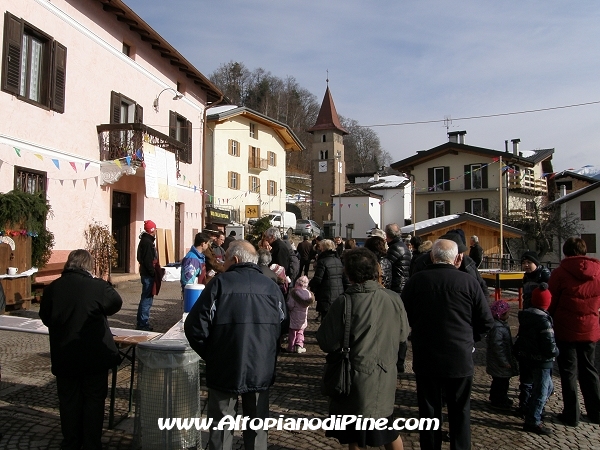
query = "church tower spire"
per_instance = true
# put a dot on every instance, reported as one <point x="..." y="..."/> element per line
<point x="328" y="168"/>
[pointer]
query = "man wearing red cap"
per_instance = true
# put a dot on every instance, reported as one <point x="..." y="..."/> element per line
<point x="146" y="256"/>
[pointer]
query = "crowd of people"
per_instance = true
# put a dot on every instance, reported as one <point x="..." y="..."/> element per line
<point x="375" y="297"/>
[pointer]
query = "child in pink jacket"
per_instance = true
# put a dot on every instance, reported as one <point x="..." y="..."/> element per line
<point x="298" y="301"/>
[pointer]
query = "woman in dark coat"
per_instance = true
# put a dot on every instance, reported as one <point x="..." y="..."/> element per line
<point x="328" y="282"/>
<point x="378" y="325"/>
<point x="377" y="246"/>
<point x="82" y="349"/>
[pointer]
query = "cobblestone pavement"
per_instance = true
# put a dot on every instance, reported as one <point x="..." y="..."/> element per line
<point x="29" y="411"/>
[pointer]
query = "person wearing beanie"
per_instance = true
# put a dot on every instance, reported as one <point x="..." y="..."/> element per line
<point x="500" y="363"/>
<point x="147" y="257"/>
<point x="575" y="287"/>
<point x="536" y="349"/>
<point x="535" y="274"/>
<point x="298" y="302"/>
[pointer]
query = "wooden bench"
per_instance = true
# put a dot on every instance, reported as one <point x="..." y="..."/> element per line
<point x="49" y="270"/>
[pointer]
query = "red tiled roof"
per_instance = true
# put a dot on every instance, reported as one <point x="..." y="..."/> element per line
<point x="327" y="118"/>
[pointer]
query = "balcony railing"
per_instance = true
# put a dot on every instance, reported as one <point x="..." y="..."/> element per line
<point x="257" y="164"/>
<point x="528" y="184"/>
<point x="123" y="140"/>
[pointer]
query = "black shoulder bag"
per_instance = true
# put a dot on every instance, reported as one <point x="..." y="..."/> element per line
<point x="337" y="380"/>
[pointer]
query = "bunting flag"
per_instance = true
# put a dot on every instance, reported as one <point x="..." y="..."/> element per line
<point x="17" y="151"/>
<point x="56" y="163"/>
<point x="61" y="182"/>
<point x="118" y="163"/>
<point x="74" y="183"/>
<point x="38" y="156"/>
<point x="85" y="183"/>
<point x="73" y="166"/>
<point x="128" y="159"/>
<point x="86" y="166"/>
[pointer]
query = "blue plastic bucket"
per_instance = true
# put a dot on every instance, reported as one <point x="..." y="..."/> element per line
<point x="191" y="293"/>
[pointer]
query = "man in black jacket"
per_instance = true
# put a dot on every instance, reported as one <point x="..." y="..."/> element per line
<point x="147" y="257"/>
<point x="467" y="265"/>
<point x="444" y="299"/>
<point x="399" y="255"/>
<point x="476" y="251"/>
<point x="82" y="349"/>
<point x="235" y="326"/>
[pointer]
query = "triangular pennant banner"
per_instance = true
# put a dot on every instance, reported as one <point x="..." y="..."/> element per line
<point x="61" y="182"/>
<point x="86" y="166"/>
<point x="56" y="163"/>
<point x="38" y="156"/>
<point x="128" y="159"/>
<point x="73" y="166"/>
<point x="118" y="163"/>
<point x="74" y="183"/>
<point x="17" y="151"/>
<point x="85" y="183"/>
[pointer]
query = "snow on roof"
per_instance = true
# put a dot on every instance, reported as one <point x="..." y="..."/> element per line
<point x="220" y="109"/>
<point x="389" y="181"/>
<point x="428" y="223"/>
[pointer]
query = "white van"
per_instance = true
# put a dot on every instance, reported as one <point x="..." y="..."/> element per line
<point x="284" y="220"/>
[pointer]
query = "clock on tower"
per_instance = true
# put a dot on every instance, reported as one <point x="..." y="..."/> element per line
<point x="322" y="166"/>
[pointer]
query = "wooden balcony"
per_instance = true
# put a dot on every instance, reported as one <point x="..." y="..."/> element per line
<point x="524" y="214"/>
<point x="257" y="164"/>
<point x="122" y="140"/>
<point x="527" y="184"/>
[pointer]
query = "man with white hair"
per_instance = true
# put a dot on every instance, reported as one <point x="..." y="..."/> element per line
<point x="235" y="327"/>
<point x="451" y="302"/>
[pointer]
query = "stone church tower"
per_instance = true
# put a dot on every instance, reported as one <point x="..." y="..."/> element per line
<point x="328" y="168"/>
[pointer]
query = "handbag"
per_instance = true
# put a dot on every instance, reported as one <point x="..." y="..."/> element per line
<point x="337" y="373"/>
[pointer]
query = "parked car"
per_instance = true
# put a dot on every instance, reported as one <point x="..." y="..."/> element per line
<point x="307" y="227"/>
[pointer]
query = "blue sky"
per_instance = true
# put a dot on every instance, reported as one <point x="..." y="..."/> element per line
<point x="393" y="61"/>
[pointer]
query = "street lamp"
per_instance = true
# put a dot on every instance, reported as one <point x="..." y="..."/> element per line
<point x="177" y="97"/>
<point x="338" y="156"/>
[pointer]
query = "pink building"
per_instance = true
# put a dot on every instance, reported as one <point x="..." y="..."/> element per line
<point x="106" y="118"/>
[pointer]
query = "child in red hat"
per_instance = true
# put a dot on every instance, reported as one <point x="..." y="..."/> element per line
<point x="537" y="350"/>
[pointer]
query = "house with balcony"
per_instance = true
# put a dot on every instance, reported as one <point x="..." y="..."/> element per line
<point x="455" y="177"/>
<point x="245" y="164"/>
<point x="103" y="117"/>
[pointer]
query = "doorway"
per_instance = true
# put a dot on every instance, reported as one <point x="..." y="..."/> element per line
<point x="121" y="220"/>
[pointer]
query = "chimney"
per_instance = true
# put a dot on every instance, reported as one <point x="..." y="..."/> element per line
<point x="457" y="137"/>
<point x="515" y="143"/>
<point x="563" y="191"/>
<point x="376" y="177"/>
<point x="506" y="146"/>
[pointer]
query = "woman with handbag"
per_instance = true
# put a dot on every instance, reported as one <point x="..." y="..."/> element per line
<point x="372" y="321"/>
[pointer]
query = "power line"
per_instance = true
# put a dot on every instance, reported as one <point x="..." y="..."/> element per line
<point x="444" y="120"/>
<point x="485" y="116"/>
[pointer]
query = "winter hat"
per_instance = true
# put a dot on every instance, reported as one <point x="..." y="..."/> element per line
<point x="302" y="282"/>
<point x="379" y="233"/>
<point x="541" y="297"/>
<point x="499" y="307"/>
<point x="461" y="233"/>
<point x="149" y="226"/>
<point x="279" y="270"/>
<point x="454" y="236"/>
<point x="531" y="256"/>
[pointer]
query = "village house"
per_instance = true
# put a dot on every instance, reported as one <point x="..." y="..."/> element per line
<point x="245" y="165"/>
<point x="455" y="177"/>
<point x="581" y="204"/>
<point x="106" y="119"/>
